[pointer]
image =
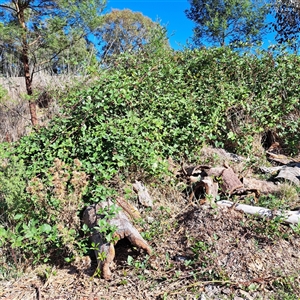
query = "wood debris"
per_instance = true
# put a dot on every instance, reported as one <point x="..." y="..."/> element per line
<point x="124" y="229"/>
<point x="290" y="217"/>
<point x="130" y="210"/>
<point x="143" y="194"/>
<point x="280" y="158"/>
<point x="210" y="180"/>
<point x="207" y="183"/>
<point x="230" y="182"/>
<point x="289" y="172"/>
<point x="261" y="186"/>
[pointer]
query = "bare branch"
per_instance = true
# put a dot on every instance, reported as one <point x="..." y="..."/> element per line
<point x="7" y="7"/>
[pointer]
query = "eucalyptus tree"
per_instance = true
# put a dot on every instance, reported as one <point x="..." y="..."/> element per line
<point x="39" y="31"/>
<point x="227" y="21"/>
<point x="125" y="30"/>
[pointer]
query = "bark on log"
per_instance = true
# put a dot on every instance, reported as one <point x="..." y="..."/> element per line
<point x="130" y="210"/>
<point x="230" y="182"/>
<point x="263" y="186"/>
<point x="290" y="217"/>
<point x="124" y="230"/>
<point x="143" y="195"/>
<point x="280" y="158"/>
<point x="216" y="172"/>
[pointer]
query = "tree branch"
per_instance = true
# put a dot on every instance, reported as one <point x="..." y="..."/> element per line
<point x="7" y="7"/>
<point x="59" y="52"/>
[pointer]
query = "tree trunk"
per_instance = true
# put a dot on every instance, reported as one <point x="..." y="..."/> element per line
<point x="25" y="61"/>
<point x="28" y="82"/>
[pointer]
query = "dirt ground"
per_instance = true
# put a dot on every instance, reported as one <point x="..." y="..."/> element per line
<point x="203" y="254"/>
<point x="199" y="252"/>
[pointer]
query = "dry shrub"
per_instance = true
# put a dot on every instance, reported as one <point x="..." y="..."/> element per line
<point x="59" y="200"/>
<point x="14" y="120"/>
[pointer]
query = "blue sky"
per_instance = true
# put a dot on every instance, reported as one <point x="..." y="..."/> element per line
<point x="170" y="13"/>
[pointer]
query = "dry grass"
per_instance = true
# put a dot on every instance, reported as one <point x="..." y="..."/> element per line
<point x="199" y="251"/>
<point x="14" y="110"/>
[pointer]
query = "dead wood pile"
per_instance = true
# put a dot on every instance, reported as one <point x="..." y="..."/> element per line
<point x="206" y="184"/>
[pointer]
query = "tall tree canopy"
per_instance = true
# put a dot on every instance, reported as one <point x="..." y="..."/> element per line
<point x="39" y="31"/>
<point x="125" y="30"/>
<point x="287" y="21"/>
<point x="226" y="21"/>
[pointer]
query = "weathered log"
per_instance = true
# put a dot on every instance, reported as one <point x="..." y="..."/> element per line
<point x="291" y="174"/>
<point x="263" y="186"/>
<point x="215" y="172"/>
<point x="206" y="187"/>
<point x="271" y="170"/>
<point x="211" y="189"/>
<point x="280" y="158"/>
<point x="124" y="229"/>
<point x="230" y="181"/>
<point x="130" y="210"/>
<point x="204" y="177"/>
<point x="290" y="217"/>
<point x="143" y="194"/>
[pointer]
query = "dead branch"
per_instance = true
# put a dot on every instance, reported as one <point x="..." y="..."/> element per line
<point x="290" y="217"/>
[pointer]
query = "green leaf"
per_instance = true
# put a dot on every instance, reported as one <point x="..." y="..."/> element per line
<point x="18" y="216"/>
<point x="45" y="228"/>
<point x="129" y="260"/>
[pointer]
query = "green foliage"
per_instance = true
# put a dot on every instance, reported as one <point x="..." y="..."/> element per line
<point x="223" y="22"/>
<point x="138" y="264"/>
<point x="125" y="30"/>
<point x="127" y="123"/>
<point x="49" y="36"/>
<point x="12" y="183"/>
<point x="104" y="227"/>
<point x="3" y="94"/>
<point x="40" y="215"/>
<point x="286" y="286"/>
<point x="169" y="104"/>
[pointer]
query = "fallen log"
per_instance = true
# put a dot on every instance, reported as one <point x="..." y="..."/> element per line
<point x="124" y="229"/>
<point x="208" y="188"/>
<point x="227" y="179"/>
<point x="280" y="158"/>
<point x="290" y="217"/>
<point x="289" y="172"/>
<point x="263" y="186"/>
